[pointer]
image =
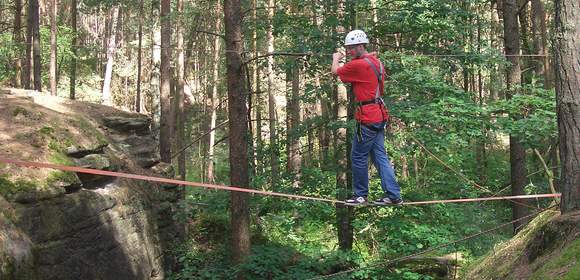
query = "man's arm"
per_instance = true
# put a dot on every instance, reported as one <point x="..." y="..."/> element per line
<point x="336" y="57"/>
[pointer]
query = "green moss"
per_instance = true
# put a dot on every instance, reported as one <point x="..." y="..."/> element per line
<point x="19" y="110"/>
<point x="61" y="176"/>
<point x="8" y="188"/>
<point x="567" y="263"/>
<point x="89" y="129"/>
<point x="60" y="158"/>
<point x="46" y="130"/>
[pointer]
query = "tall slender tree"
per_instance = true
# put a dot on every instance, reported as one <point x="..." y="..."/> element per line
<point x="513" y="81"/>
<point x="343" y="213"/>
<point x="166" y="119"/>
<point x="34" y="21"/>
<point x="139" y="59"/>
<point x="53" y="46"/>
<point x="27" y="71"/>
<point x="73" y="64"/>
<point x="17" y="39"/>
<point x="111" y="51"/>
<point x="293" y="117"/>
<point x="180" y="92"/>
<point x="567" y="63"/>
<point x="274" y="158"/>
<point x="214" y="97"/>
<point x="238" y="125"/>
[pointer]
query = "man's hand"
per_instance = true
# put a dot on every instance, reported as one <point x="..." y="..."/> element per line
<point x="336" y="57"/>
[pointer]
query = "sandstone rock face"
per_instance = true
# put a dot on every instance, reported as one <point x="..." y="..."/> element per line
<point x="95" y="228"/>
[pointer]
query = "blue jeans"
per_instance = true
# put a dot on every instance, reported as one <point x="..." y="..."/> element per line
<point x="372" y="142"/>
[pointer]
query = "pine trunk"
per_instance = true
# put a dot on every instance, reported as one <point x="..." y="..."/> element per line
<point x="53" y="47"/>
<point x="180" y="93"/>
<point x="165" y="89"/>
<point x="17" y="39"/>
<point x="36" y="61"/>
<point x="111" y="50"/>
<point x="214" y="100"/>
<point x="139" y="59"/>
<point x="73" y="65"/>
<point x="271" y="99"/>
<point x="517" y="151"/>
<point x="238" y="125"/>
<point x="567" y="63"/>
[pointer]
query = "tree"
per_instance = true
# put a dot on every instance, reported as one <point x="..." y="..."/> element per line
<point x="567" y="63"/>
<point x="180" y="93"/>
<point x="73" y="64"/>
<point x="271" y="98"/>
<point x="33" y="46"/>
<point x="238" y="125"/>
<point x="139" y="59"/>
<point x="343" y="213"/>
<point x="517" y="151"/>
<point x="165" y="120"/>
<point x="214" y="97"/>
<point x="293" y="117"/>
<point x="111" y="50"/>
<point x="17" y="39"/>
<point x="53" y="46"/>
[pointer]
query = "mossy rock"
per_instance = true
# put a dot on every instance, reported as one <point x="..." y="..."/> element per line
<point x="547" y="248"/>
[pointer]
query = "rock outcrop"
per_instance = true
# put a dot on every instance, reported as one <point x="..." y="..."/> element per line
<point x="80" y="226"/>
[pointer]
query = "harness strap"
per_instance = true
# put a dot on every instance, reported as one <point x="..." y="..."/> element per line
<point x="378" y="74"/>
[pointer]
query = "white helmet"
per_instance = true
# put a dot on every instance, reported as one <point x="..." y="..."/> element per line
<point x="356" y="37"/>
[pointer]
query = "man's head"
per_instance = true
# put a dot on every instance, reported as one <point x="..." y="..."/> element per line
<point x="355" y="42"/>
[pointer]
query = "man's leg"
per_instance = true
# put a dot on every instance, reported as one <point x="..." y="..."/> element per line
<point x="381" y="160"/>
<point x="359" y="161"/>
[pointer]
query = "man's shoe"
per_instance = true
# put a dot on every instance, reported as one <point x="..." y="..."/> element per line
<point x="388" y="201"/>
<point x="356" y="201"/>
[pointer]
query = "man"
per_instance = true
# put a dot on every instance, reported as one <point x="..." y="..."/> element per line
<point x="366" y="74"/>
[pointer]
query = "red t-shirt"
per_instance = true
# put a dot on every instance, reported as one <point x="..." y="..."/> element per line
<point x="364" y="84"/>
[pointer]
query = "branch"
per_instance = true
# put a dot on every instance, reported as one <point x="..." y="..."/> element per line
<point x="209" y="32"/>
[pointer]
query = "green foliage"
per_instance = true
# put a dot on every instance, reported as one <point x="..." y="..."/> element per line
<point x="530" y="115"/>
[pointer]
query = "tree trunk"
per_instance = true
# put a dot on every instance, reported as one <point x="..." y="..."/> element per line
<point x="154" y="81"/>
<point x="53" y="46"/>
<point x="17" y="39"/>
<point x="540" y="41"/>
<point x="180" y="93"/>
<point x="73" y="65"/>
<point x="517" y="151"/>
<point x="35" y="21"/>
<point x="271" y="98"/>
<point x="525" y="36"/>
<point x="165" y="121"/>
<point x="258" y="144"/>
<point x="111" y="50"/>
<point x="567" y="63"/>
<point x="293" y="115"/>
<point x="323" y="131"/>
<point x="238" y="125"/>
<point x="139" y="59"/>
<point x="344" y="214"/>
<point x="214" y="98"/>
<point x="26" y="73"/>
